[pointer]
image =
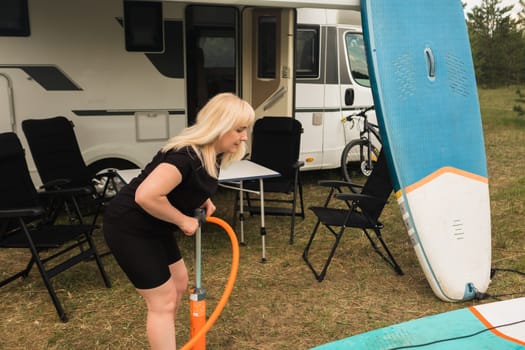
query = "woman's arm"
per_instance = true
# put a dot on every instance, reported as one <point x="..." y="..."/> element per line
<point x="152" y="193"/>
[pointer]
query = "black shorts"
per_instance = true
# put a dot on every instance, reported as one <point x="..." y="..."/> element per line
<point x="144" y="260"/>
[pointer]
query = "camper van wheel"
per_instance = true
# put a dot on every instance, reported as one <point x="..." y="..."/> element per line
<point x="100" y="167"/>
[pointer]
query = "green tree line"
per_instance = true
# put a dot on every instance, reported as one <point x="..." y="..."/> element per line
<point x="497" y="38"/>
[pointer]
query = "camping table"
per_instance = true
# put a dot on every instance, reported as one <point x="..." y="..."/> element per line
<point x="232" y="177"/>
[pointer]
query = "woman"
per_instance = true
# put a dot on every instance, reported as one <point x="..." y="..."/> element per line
<point x="139" y="222"/>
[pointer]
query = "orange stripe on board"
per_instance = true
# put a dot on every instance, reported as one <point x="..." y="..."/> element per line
<point x="442" y="171"/>
<point x="492" y="327"/>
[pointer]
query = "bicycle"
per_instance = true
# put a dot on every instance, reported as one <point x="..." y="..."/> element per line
<point x="362" y="150"/>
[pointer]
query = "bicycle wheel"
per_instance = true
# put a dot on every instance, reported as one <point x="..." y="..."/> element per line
<point x="354" y="160"/>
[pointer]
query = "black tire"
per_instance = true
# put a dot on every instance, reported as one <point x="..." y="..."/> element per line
<point x="354" y="160"/>
<point x="109" y="164"/>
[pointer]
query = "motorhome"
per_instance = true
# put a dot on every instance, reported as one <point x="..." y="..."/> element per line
<point x="131" y="74"/>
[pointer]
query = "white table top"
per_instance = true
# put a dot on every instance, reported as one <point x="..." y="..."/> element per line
<point x="245" y="170"/>
<point x="237" y="171"/>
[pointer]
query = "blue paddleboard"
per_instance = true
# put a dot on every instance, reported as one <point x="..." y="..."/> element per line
<point x="493" y="326"/>
<point x="427" y="106"/>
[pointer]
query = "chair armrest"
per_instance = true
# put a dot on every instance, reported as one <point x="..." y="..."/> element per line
<point x="20" y="212"/>
<point x="54" y="184"/>
<point x="74" y="191"/>
<point x="339" y="184"/>
<point x="357" y="197"/>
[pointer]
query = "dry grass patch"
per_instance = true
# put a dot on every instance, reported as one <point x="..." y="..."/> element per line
<point x="279" y="305"/>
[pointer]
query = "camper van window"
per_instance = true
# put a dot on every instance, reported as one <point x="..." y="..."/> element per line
<point x="267" y="47"/>
<point x="307" y="52"/>
<point x="219" y="51"/>
<point x="355" y="48"/>
<point x="14" y="18"/>
<point x="143" y="26"/>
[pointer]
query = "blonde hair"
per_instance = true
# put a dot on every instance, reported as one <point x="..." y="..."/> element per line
<point x="222" y="113"/>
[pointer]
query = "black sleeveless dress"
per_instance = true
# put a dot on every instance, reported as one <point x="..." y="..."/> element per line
<point x="143" y="245"/>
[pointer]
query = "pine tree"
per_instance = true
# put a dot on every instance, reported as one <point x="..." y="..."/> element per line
<point x="497" y="43"/>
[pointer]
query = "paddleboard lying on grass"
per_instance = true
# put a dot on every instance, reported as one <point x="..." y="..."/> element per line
<point x="493" y="326"/>
<point x="427" y="106"/>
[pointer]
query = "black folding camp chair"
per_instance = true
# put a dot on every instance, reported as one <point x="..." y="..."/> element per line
<point x="60" y="164"/>
<point x="363" y="207"/>
<point x="24" y="225"/>
<point x="276" y="143"/>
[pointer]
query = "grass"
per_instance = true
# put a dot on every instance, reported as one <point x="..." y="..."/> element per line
<point x="279" y="305"/>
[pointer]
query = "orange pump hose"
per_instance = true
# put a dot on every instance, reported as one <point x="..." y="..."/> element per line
<point x="229" y="285"/>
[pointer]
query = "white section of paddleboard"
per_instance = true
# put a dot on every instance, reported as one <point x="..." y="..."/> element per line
<point x="449" y="231"/>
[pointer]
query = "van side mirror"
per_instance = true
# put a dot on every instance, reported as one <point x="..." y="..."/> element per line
<point x="349" y="96"/>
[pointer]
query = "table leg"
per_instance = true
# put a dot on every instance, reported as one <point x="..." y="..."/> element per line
<point x="263" y="228"/>
<point x="241" y="213"/>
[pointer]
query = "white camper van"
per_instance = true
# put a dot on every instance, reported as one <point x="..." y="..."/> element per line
<point x="131" y="74"/>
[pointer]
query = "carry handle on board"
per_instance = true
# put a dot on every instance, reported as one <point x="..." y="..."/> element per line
<point x="431" y="63"/>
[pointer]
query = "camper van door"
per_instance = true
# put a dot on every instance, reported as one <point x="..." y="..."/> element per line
<point x="267" y="60"/>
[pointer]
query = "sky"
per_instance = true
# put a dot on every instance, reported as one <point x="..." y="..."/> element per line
<point x="472" y="3"/>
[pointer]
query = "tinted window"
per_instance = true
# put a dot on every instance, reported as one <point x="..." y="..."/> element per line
<point x="267" y="62"/>
<point x="307" y="52"/>
<point x="14" y="18"/>
<point x="143" y="26"/>
<point x="219" y="52"/>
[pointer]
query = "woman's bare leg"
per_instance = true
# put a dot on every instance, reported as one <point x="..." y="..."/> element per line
<point x="179" y="274"/>
<point x="162" y="303"/>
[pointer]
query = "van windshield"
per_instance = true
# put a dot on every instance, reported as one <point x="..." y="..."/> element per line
<point x="355" y="50"/>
